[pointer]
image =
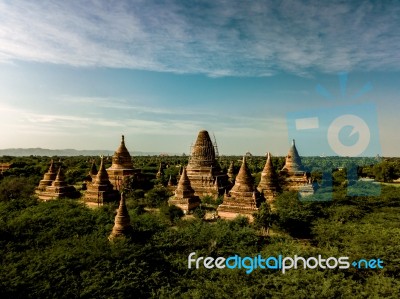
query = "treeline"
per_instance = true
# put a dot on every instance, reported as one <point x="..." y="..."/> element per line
<point x="77" y="168"/>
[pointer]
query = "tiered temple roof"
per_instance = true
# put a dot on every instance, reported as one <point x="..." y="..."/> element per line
<point x="121" y="166"/>
<point x="242" y="198"/>
<point x="101" y="190"/>
<point x="269" y="181"/>
<point x="59" y="188"/>
<point x="48" y="177"/>
<point x="122" y="223"/>
<point x="203" y="168"/>
<point x="184" y="197"/>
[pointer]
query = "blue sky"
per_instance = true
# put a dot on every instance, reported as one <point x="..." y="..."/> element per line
<point x="78" y="74"/>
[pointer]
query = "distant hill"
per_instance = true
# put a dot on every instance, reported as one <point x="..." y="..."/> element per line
<point x="18" y="152"/>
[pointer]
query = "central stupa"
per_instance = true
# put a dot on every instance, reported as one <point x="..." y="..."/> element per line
<point x="203" y="171"/>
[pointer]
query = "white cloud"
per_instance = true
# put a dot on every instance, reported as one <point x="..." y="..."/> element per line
<point x="222" y="38"/>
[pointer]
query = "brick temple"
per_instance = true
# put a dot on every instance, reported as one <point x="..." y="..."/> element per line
<point x="184" y="196"/>
<point x="242" y="198"/>
<point x="293" y="176"/>
<point x="49" y="189"/>
<point x="100" y="190"/>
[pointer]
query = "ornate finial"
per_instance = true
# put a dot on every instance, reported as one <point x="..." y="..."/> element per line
<point x="123" y="138"/>
<point x="293" y="142"/>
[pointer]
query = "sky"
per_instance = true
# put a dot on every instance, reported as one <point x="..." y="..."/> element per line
<point x="256" y="74"/>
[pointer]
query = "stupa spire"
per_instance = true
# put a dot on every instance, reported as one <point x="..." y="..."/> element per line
<point x="184" y="183"/>
<point x="52" y="167"/>
<point x="102" y="176"/>
<point x="244" y="179"/>
<point x="60" y="179"/>
<point x="122" y="223"/>
<point x="293" y="160"/>
<point x="269" y="182"/>
<point x="170" y="181"/>
<point x="93" y="169"/>
<point x="60" y="175"/>
<point x="160" y="171"/>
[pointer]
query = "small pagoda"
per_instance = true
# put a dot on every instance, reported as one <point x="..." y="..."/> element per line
<point x="122" y="223"/>
<point x="121" y="166"/>
<point x="100" y="190"/>
<point x="184" y="196"/>
<point x="203" y="170"/>
<point x="269" y="181"/>
<point x="242" y="199"/>
<point x="293" y="176"/>
<point x="48" y="177"/>
<point x="59" y="189"/>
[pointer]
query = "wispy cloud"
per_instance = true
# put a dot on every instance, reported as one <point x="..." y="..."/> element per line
<point x="217" y="38"/>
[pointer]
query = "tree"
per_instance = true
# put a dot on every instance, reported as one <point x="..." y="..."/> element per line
<point x="263" y="218"/>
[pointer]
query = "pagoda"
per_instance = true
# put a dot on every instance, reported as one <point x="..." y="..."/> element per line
<point x="160" y="171"/>
<point x="122" y="223"/>
<point x="293" y="176"/>
<point x="203" y="171"/>
<point x="100" y="190"/>
<point x="269" y="181"/>
<point x="59" y="188"/>
<point x="48" y="177"/>
<point x="121" y="166"/>
<point x="184" y="196"/>
<point x="242" y="199"/>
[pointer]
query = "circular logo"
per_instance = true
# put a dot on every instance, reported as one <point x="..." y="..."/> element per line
<point x="359" y="126"/>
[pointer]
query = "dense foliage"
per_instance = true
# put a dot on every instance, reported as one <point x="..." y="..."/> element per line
<point x="59" y="249"/>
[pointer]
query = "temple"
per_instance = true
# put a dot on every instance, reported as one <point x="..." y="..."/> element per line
<point x="58" y="188"/>
<point x="203" y="171"/>
<point x="100" y="190"/>
<point x="184" y="196"/>
<point x="121" y="166"/>
<point x="122" y="223"/>
<point x="268" y="185"/>
<point x="242" y="198"/>
<point x="293" y="176"/>
<point x="48" y="178"/>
